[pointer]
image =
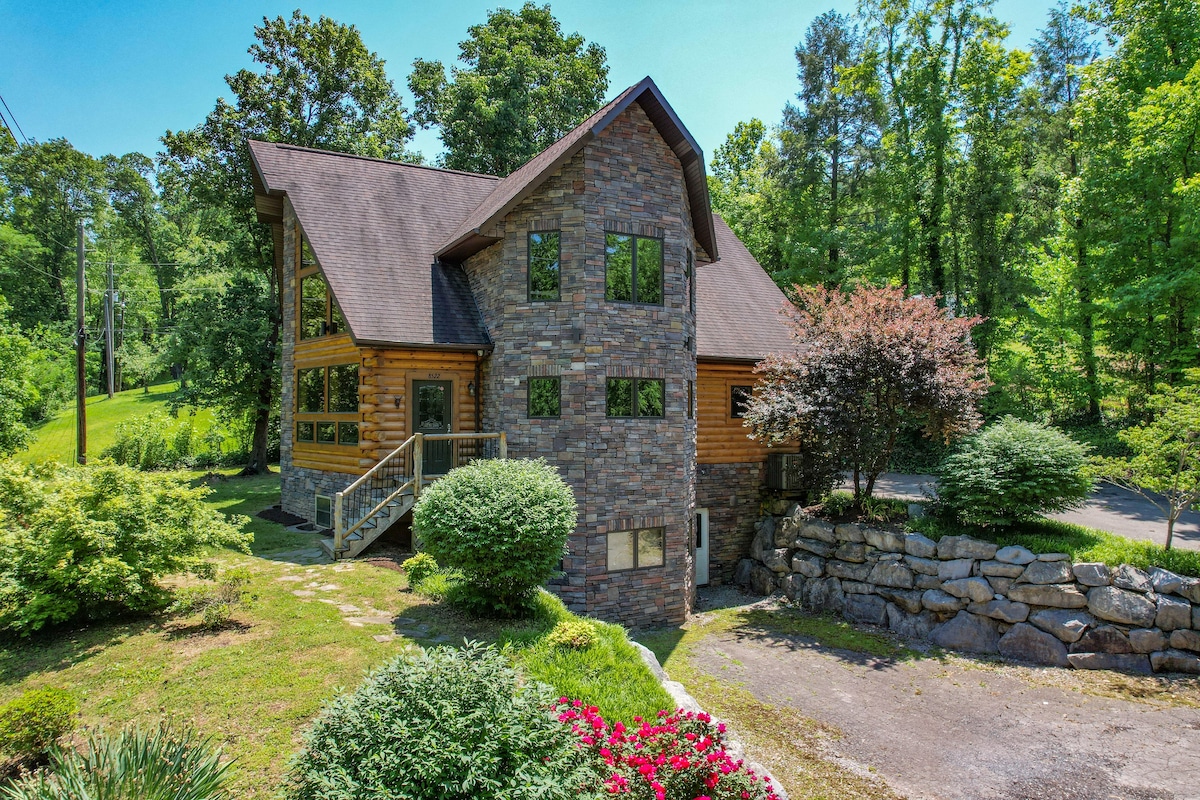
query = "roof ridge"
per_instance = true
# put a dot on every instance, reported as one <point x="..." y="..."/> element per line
<point x="388" y="161"/>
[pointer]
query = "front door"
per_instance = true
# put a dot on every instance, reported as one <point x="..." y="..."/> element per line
<point x="433" y="416"/>
<point x="701" y="546"/>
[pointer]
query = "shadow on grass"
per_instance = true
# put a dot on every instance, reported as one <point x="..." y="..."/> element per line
<point x="59" y="648"/>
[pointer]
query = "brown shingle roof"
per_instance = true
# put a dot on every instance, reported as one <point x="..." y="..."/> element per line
<point x="737" y="305"/>
<point x="469" y="236"/>
<point x="373" y="226"/>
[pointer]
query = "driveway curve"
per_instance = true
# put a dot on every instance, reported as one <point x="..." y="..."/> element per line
<point x="951" y="728"/>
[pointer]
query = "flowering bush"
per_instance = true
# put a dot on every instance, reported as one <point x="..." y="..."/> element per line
<point x="679" y="756"/>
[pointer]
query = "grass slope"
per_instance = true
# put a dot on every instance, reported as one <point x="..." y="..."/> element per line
<point x="54" y="440"/>
<point x="309" y="632"/>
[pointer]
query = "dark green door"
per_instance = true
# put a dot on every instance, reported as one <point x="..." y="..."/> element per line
<point x="433" y="416"/>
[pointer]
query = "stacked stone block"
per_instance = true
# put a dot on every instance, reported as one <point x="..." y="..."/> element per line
<point x="964" y="594"/>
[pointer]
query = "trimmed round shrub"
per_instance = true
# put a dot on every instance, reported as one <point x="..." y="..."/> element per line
<point x="443" y="724"/>
<point x="573" y="634"/>
<point x="1014" y="470"/>
<point x="31" y="724"/>
<point x="502" y="523"/>
<point x="419" y="567"/>
<point x="164" y="764"/>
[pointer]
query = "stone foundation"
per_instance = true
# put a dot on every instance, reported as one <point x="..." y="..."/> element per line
<point x="733" y="495"/>
<point x="298" y="488"/>
<point x="964" y="594"/>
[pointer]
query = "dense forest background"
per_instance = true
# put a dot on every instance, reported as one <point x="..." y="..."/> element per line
<point x="1052" y="192"/>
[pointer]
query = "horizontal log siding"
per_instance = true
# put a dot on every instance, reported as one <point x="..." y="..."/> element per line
<point x="387" y="375"/>
<point x="721" y="439"/>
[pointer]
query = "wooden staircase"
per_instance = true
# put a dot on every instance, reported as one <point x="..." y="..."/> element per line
<point x="373" y="503"/>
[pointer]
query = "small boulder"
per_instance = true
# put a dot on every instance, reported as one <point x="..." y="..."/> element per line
<point x="977" y="590"/>
<point x="850" y="532"/>
<point x="1066" y="625"/>
<point x="1120" y="605"/>
<point x="922" y="566"/>
<point x="893" y="574"/>
<point x="1127" y="662"/>
<point x="1189" y="588"/>
<point x="814" y="546"/>
<point x="953" y="570"/>
<point x="926" y="582"/>
<point x="1105" y="639"/>
<point x="793" y="585"/>
<point x="967" y="632"/>
<point x="1000" y="585"/>
<point x="855" y="587"/>
<point x="820" y="530"/>
<point x="1175" y="661"/>
<point x="1132" y="578"/>
<point x="824" y="595"/>
<point x="1054" y="557"/>
<point x="907" y="599"/>
<point x="777" y="560"/>
<point x="1043" y="572"/>
<point x="920" y="546"/>
<point x="866" y="608"/>
<point x="1023" y="642"/>
<point x="941" y="602"/>
<point x="952" y="547"/>
<point x="1054" y="595"/>
<point x="762" y="580"/>
<point x="910" y="626"/>
<point x="999" y="569"/>
<point x="784" y="531"/>
<point x="1003" y="610"/>
<point x="1015" y="554"/>
<point x="741" y="573"/>
<point x="887" y="541"/>
<point x="1147" y="640"/>
<point x="1093" y="573"/>
<point x="1185" y="640"/>
<point x="808" y="565"/>
<point x="851" y="551"/>
<point x="1164" y="581"/>
<point x="847" y="571"/>
<point x="1173" y="613"/>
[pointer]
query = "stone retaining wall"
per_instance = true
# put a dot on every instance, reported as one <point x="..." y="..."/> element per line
<point x="964" y="594"/>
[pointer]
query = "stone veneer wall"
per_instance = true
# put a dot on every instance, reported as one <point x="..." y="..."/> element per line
<point x="965" y="594"/>
<point x="733" y="495"/>
<point x="626" y="473"/>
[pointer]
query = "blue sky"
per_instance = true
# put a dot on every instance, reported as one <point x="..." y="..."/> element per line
<point x="113" y="76"/>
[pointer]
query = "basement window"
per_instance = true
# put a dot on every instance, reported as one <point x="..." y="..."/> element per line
<point x="638" y="549"/>
<point x="323" y="512"/>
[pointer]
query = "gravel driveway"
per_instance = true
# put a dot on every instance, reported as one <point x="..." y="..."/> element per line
<point x="951" y="728"/>
<point x="1110" y="509"/>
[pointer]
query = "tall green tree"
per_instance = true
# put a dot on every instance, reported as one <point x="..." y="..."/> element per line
<point x="317" y="85"/>
<point x="524" y="85"/>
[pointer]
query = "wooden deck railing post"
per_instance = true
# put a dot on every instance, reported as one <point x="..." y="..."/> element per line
<point x="503" y="445"/>
<point x="418" y="463"/>
<point x="338" y="526"/>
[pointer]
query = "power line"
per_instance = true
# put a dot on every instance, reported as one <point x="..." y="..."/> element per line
<point x="8" y="128"/>
<point x="14" y="119"/>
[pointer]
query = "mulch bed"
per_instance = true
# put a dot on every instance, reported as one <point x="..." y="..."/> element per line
<point x="277" y="514"/>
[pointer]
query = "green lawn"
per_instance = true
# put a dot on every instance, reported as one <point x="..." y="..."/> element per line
<point x="309" y="632"/>
<point x="54" y="440"/>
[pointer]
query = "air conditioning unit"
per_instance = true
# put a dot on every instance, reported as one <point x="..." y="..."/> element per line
<point x="785" y="472"/>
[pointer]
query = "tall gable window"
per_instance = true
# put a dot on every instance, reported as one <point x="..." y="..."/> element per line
<point x="327" y="404"/>
<point x="319" y="312"/>
<point x="633" y="269"/>
<point x="545" y="252"/>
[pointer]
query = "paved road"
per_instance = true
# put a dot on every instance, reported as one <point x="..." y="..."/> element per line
<point x="1110" y="509"/>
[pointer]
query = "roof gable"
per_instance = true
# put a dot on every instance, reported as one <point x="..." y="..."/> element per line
<point x="469" y="236"/>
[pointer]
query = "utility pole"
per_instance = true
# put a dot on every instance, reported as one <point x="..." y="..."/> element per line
<point x="80" y="356"/>
<point x="108" y="332"/>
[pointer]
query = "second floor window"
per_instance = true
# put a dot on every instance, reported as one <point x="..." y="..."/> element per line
<point x="633" y="269"/>
<point x="635" y="397"/>
<point x="545" y="255"/>
<point x="739" y="400"/>
<point x="319" y="312"/>
<point x="545" y="397"/>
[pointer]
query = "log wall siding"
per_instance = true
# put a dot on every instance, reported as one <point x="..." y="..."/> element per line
<point x="721" y="439"/>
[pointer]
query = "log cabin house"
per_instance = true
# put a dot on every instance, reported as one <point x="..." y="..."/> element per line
<point x="589" y="309"/>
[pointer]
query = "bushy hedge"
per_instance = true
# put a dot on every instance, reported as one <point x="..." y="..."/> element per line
<point x="503" y="523"/>
<point x="33" y="722"/>
<point x="1011" y="471"/>
<point x="88" y="542"/>
<point x="443" y="724"/>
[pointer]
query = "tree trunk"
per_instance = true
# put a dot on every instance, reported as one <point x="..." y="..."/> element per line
<point x="258" y="462"/>
<point x="1171" y="526"/>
